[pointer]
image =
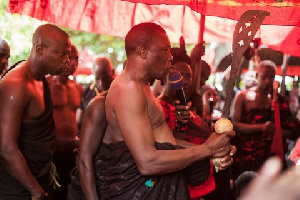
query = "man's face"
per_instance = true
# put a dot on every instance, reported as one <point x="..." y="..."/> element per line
<point x="186" y="73"/>
<point x="73" y="61"/>
<point x="4" y="56"/>
<point x="211" y="95"/>
<point x="250" y="79"/>
<point x="56" y="56"/>
<point x="159" y="57"/>
<point x="265" y="78"/>
<point x="104" y="74"/>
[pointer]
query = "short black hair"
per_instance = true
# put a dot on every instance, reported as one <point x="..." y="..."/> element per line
<point x="266" y="63"/>
<point x="180" y="55"/>
<point x="141" y="34"/>
<point x="47" y="33"/>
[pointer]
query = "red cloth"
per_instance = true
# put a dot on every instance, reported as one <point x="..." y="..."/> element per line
<point x="295" y="153"/>
<point x="282" y="13"/>
<point x="209" y="184"/>
<point x="115" y="18"/>
<point x="277" y="144"/>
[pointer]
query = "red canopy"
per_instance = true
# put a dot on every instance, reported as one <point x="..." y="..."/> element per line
<point x="282" y="12"/>
<point x="115" y="17"/>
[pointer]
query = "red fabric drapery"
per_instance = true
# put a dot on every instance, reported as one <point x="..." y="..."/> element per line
<point x="116" y="17"/>
<point x="282" y="12"/>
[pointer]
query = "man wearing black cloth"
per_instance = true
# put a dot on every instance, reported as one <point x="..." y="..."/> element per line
<point x="138" y="157"/>
<point x="26" y="120"/>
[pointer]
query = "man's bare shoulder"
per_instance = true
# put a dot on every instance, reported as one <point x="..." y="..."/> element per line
<point x="79" y="87"/>
<point x="98" y="102"/>
<point x="124" y="84"/>
<point x="15" y="86"/>
<point x="14" y="80"/>
<point x="241" y="94"/>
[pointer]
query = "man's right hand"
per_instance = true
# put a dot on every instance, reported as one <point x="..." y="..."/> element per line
<point x="182" y="112"/>
<point x="40" y="195"/>
<point x="269" y="127"/>
<point x="219" y="144"/>
<point x="37" y="198"/>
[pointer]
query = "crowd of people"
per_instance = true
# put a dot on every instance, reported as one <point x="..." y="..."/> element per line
<point x="140" y="134"/>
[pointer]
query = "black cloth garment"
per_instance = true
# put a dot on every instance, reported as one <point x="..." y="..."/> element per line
<point x="117" y="176"/>
<point x="89" y="93"/>
<point x="36" y="143"/>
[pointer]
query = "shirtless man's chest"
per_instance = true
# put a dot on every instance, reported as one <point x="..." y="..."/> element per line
<point x="36" y="107"/>
<point x="65" y="96"/>
<point x="157" y="119"/>
<point x="257" y="100"/>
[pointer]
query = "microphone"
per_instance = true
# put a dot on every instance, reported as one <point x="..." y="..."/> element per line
<point x="176" y="83"/>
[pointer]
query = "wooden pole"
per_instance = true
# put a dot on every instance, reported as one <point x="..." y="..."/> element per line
<point x="284" y="67"/>
<point x="198" y="67"/>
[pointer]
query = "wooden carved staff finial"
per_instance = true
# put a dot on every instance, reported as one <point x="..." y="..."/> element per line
<point x="244" y="32"/>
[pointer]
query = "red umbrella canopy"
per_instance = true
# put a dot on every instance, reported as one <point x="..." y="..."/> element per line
<point x="282" y="12"/>
<point x="116" y="17"/>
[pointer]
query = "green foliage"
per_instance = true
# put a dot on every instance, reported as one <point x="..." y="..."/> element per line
<point x="18" y="30"/>
<point x="100" y="45"/>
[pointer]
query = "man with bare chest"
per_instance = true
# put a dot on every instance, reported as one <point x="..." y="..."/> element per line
<point x="26" y="118"/>
<point x="66" y="95"/>
<point x="252" y="119"/>
<point x="138" y="157"/>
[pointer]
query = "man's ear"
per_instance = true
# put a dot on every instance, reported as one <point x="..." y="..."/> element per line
<point x="142" y="52"/>
<point x="39" y="49"/>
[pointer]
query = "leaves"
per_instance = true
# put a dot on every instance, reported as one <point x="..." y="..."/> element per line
<point x="17" y="30"/>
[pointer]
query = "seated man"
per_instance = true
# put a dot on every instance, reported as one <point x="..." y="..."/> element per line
<point x="139" y="158"/>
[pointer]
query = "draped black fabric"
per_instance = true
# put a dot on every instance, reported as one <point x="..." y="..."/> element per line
<point x="36" y="142"/>
<point x="117" y="176"/>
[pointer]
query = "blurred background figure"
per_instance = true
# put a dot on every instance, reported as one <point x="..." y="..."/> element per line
<point x="243" y="181"/>
<point x="271" y="183"/>
<point x="295" y="99"/>
<point x="210" y="98"/>
<point x="254" y="121"/>
<point x="4" y="56"/>
<point x="104" y="75"/>
<point x="201" y="72"/>
<point x="66" y="95"/>
<point x="249" y="80"/>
